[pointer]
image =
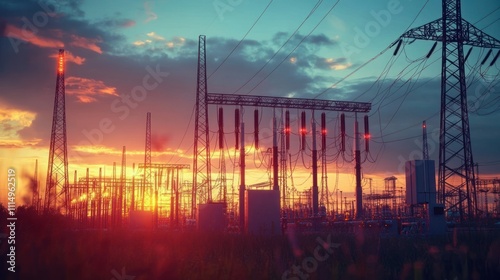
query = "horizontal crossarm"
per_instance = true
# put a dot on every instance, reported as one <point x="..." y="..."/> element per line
<point x="285" y="102"/>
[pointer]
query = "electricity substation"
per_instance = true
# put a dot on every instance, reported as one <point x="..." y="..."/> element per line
<point x="211" y="193"/>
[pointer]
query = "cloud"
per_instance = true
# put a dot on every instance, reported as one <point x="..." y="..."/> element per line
<point x="31" y="37"/>
<point x="18" y="143"/>
<point x="87" y="90"/>
<point x="69" y="57"/>
<point x="139" y="43"/>
<point x="117" y="23"/>
<point x="12" y="121"/>
<point x="121" y="65"/>
<point x="106" y="150"/>
<point x="86" y="43"/>
<point x="155" y="36"/>
<point x="331" y="63"/>
<point x="159" y="142"/>
<point x="158" y="42"/>
<point x="149" y="12"/>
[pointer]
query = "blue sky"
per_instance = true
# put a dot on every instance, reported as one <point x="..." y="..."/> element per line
<point x="111" y="43"/>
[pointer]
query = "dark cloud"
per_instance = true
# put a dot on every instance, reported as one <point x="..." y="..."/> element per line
<point x="320" y="40"/>
<point x="113" y="23"/>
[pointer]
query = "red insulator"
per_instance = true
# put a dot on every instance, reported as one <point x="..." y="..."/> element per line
<point x="221" y="128"/>
<point x="367" y="135"/>
<point x="303" y="130"/>
<point x="287" y="129"/>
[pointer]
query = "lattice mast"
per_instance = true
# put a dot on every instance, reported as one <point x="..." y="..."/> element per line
<point x="122" y="191"/>
<point x="201" y="150"/>
<point x="57" y="171"/>
<point x="146" y="191"/>
<point x="425" y="145"/>
<point x="456" y="182"/>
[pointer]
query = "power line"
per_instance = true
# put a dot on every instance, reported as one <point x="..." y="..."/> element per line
<point x="372" y="59"/>
<point x="283" y="45"/>
<point x="239" y="43"/>
<point x="301" y="41"/>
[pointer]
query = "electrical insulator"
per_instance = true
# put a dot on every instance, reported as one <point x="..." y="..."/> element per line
<point x="495" y="58"/>
<point x="256" y="127"/>
<point x="342" y="132"/>
<point x="432" y="50"/>
<point x="487" y="56"/>
<point x="397" y="48"/>
<point x="323" y="131"/>
<point x="367" y="135"/>
<point x="303" y="130"/>
<point x="237" y="127"/>
<point x="467" y="55"/>
<point x="221" y="129"/>
<point x="287" y="130"/>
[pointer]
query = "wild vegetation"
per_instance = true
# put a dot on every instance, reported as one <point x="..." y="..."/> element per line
<point x="47" y="249"/>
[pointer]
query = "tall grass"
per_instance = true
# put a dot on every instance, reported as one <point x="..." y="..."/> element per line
<point x="46" y="250"/>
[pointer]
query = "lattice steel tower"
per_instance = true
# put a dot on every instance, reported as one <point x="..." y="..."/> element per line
<point x="456" y="183"/>
<point x="201" y="150"/>
<point x="146" y="191"/>
<point x="57" y="170"/>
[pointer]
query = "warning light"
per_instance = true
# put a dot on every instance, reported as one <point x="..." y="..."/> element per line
<point x="323" y="123"/>
<point x="60" y="63"/>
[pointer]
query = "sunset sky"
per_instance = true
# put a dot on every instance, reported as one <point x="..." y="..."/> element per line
<point x="290" y="48"/>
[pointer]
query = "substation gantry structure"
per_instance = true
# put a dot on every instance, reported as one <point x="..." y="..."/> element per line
<point x="201" y="153"/>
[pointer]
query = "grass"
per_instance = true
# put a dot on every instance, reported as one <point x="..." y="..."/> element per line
<point x="44" y="250"/>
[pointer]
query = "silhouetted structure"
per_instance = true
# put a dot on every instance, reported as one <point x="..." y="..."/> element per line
<point x="57" y="171"/>
<point x="456" y="184"/>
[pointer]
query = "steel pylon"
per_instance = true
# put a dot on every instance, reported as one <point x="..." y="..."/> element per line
<point x="57" y="170"/>
<point x="456" y="182"/>
<point x="201" y="148"/>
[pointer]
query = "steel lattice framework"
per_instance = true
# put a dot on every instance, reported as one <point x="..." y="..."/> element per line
<point x="286" y="102"/>
<point x="57" y="171"/>
<point x="201" y="148"/>
<point x="456" y="183"/>
<point x="146" y="187"/>
<point x="201" y="153"/>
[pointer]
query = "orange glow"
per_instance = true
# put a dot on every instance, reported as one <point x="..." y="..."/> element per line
<point x="26" y="35"/>
<point x="60" y="65"/>
<point x="86" y="43"/>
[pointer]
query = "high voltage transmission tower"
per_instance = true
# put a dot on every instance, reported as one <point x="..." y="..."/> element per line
<point x="146" y="191"/>
<point x="456" y="166"/>
<point x="57" y="170"/>
<point x="201" y="157"/>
